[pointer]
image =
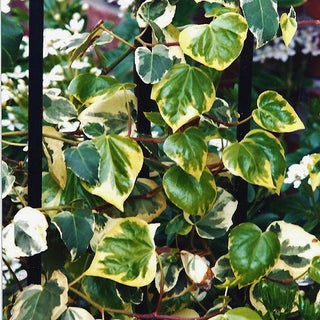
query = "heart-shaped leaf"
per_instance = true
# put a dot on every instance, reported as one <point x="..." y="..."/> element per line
<point x="76" y="230"/>
<point x="152" y="65"/>
<point x="183" y="94"/>
<point x="288" y="24"/>
<point x="76" y="313"/>
<point x="192" y="196"/>
<point x="262" y="18"/>
<point x="274" y="113"/>
<point x="242" y="313"/>
<point x="217" y="44"/>
<point x="252" y="253"/>
<point x="189" y="150"/>
<point x="121" y="159"/>
<point x="126" y="253"/>
<point x="267" y="170"/>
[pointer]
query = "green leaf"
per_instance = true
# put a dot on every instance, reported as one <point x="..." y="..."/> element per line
<point x="152" y="65"/>
<point x="114" y="258"/>
<point x="288" y="24"/>
<point x="183" y="94"/>
<point x="102" y="291"/>
<point x="192" y="196"/>
<point x="87" y="85"/>
<point x="252" y="252"/>
<point x="314" y="270"/>
<point x="178" y="225"/>
<point x="11" y="36"/>
<point x="298" y="247"/>
<point x="7" y="179"/>
<point x="51" y="193"/>
<point x="217" y="221"/>
<point x="262" y="18"/>
<point x="160" y="12"/>
<point x="75" y="313"/>
<point x="242" y="313"/>
<point x="274" y="113"/>
<point x="267" y="170"/>
<point x="189" y="150"/>
<point x="58" y="109"/>
<point x="45" y="302"/>
<point x="76" y="230"/>
<point x="227" y="3"/>
<point x="83" y="160"/>
<point x="121" y="159"/>
<point x="217" y="44"/>
<point x="313" y="167"/>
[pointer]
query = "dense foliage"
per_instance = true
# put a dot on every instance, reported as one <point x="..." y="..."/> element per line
<point x="138" y="225"/>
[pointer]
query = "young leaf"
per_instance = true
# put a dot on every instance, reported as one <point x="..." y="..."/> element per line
<point x="126" y="253"/>
<point x="152" y="65"/>
<point x="217" y="221"/>
<point x="189" y="150"/>
<point x="83" y="160"/>
<point x="45" y="302"/>
<point x="267" y="170"/>
<point x="242" y="313"/>
<point x="252" y="253"/>
<point x="262" y="18"/>
<point x="314" y="170"/>
<point x="192" y="196"/>
<point x="226" y="3"/>
<point x="7" y="179"/>
<point x="76" y="230"/>
<point x="75" y="313"/>
<point x="288" y="26"/>
<point x="183" y="94"/>
<point x="160" y="12"/>
<point x="217" y="44"/>
<point x="121" y="159"/>
<point x="274" y="113"/>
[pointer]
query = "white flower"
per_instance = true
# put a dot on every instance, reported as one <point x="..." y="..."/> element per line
<point x="76" y="24"/>
<point x="24" y="46"/>
<point x="296" y="173"/>
<point x="50" y="37"/>
<point x="55" y="74"/>
<point x="9" y="123"/>
<point x="18" y="73"/>
<point x="79" y="64"/>
<point x="5" y="6"/>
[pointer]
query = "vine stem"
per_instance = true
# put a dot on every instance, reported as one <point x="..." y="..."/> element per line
<point x="161" y="292"/>
<point x="12" y="274"/>
<point x="118" y="38"/>
<point x="76" y="280"/>
<point x="225" y="123"/>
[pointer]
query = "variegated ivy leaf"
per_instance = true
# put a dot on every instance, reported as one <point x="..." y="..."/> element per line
<point x="288" y="25"/>
<point x="267" y="170"/>
<point x="313" y="167"/>
<point x="262" y="18"/>
<point x="171" y="34"/>
<point x="54" y="154"/>
<point x="84" y="160"/>
<point x="186" y="192"/>
<point x="298" y="247"/>
<point x="197" y="269"/>
<point x="217" y="44"/>
<point x="146" y="202"/>
<point x="160" y="12"/>
<point x="26" y="235"/>
<point x="152" y="65"/>
<point x="222" y="269"/>
<point x="76" y="230"/>
<point x="121" y="159"/>
<point x="51" y="193"/>
<point x="189" y="150"/>
<point x="240" y="313"/>
<point x="226" y="3"/>
<point x="111" y="112"/>
<point x="58" y="109"/>
<point x="76" y="313"/>
<point x="274" y="113"/>
<point x="183" y="94"/>
<point x="45" y="302"/>
<point x="7" y="179"/>
<point x="217" y="221"/>
<point x="314" y="270"/>
<point x="171" y="268"/>
<point x="252" y="253"/>
<point x="126" y="253"/>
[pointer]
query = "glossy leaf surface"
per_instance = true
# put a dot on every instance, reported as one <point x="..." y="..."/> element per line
<point x="252" y="252"/>
<point x="126" y="253"/>
<point x="183" y="94"/>
<point x="192" y="196"/>
<point x="274" y="113"/>
<point x="314" y="170"/>
<point x="76" y="230"/>
<point x="267" y="170"/>
<point x="288" y="26"/>
<point x="217" y="44"/>
<point x="76" y="313"/>
<point x="242" y="313"/>
<point x="314" y="270"/>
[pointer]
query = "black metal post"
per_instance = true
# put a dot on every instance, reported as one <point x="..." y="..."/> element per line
<point x="36" y="17"/>
<point x="244" y="109"/>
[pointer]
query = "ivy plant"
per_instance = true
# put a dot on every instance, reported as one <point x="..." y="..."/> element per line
<point x="116" y="243"/>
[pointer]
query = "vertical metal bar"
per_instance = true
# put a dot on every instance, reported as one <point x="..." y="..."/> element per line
<point x="244" y="109"/>
<point x="36" y="17"/>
